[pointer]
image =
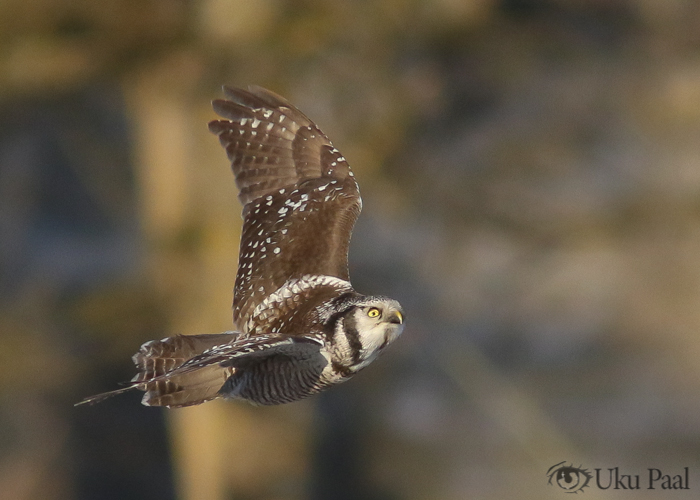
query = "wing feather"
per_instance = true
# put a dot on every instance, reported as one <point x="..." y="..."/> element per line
<point x="300" y="199"/>
<point x="177" y="372"/>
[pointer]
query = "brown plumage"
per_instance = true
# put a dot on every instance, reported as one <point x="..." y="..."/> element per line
<point x="300" y="326"/>
<point x="294" y="186"/>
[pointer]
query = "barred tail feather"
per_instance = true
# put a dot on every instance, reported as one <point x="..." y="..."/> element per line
<point x="157" y="359"/>
<point x="187" y="389"/>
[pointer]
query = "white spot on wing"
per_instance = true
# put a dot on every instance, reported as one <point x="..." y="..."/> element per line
<point x="291" y="289"/>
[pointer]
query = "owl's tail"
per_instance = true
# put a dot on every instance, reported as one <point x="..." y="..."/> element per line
<point x="157" y="358"/>
<point x="157" y="362"/>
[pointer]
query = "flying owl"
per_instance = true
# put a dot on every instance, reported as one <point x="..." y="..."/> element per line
<point x="300" y="327"/>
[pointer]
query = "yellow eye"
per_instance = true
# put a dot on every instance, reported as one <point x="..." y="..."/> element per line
<point x="373" y="313"/>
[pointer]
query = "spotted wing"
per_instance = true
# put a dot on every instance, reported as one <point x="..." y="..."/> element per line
<point x="300" y="199"/>
<point x="169" y="379"/>
<point x="210" y="375"/>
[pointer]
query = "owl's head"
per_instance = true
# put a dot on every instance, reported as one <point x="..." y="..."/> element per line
<point x="367" y="327"/>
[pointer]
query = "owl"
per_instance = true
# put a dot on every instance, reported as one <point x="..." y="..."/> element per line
<point x="299" y="325"/>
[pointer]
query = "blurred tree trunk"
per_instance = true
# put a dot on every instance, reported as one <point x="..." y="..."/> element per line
<point x="191" y="217"/>
<point x="172" y="213"/>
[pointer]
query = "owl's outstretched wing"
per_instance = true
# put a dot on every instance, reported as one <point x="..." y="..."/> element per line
<point x="300" y="199"/>
<point x="175" y="372"/>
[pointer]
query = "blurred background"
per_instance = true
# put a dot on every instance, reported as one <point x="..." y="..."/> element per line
<point x="531" y="180"/>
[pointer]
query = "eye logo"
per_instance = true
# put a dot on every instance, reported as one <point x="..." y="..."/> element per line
<point x="569" y="478"/>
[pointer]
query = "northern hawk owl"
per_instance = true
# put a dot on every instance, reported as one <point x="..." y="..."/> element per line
<point x="300" y="327"/>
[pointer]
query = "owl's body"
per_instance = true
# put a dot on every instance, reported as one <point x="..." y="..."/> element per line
<point x="299" y="325"/>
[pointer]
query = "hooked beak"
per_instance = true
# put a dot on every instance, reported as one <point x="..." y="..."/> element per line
<point x="396" y="318"/>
